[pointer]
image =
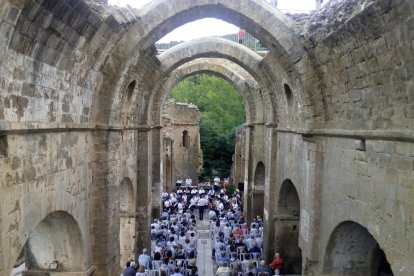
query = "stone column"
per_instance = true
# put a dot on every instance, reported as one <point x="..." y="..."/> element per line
<point x="310" y="214"/>
<point x="144" y="178"/>
<point x="248" y="172"/>
<point x="270" y="200"/>
<point x="104" y="197"/>
<point x="156" y="132"/>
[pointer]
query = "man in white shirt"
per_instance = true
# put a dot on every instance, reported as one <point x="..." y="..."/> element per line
<point x="188" y="182"/>
<point x="202" y="203"/>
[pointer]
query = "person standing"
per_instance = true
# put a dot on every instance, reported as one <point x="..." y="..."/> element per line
<point x="241" y="35"/>
<point x="188" y="182"/>
<point x="178" y="183"/>
<point x="201" y="203"/>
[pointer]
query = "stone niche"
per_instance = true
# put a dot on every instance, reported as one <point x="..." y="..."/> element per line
<point x="182" y="155"/>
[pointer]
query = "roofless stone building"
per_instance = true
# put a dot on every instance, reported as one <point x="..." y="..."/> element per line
<point x="329" y="128"/>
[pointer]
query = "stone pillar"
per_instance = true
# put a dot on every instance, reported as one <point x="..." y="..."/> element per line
<point x="270" y="200"/>
<point x="144" y="178"/>
<point x="104" y="200"/>
<point x="310" y="213"/>
<point x="248" y="173"/>
<point x="156" y="170"/>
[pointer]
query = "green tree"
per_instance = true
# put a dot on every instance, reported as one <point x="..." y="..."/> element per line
<point x="222" y="111"/>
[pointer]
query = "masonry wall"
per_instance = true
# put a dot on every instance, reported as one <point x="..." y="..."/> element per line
<point x="43" y="173"/>
<point x="183" y="159"/>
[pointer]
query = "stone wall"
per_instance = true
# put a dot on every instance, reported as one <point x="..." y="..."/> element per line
<point x="41" y="174"/>
<point x="183" y="154"/>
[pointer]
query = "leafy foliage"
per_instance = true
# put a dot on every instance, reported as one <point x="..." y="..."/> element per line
<point x="222" y="111"/>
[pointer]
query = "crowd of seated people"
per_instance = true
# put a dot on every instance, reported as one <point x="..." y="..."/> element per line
<point x="174" y="246"/>
<point x="236" y="245"/>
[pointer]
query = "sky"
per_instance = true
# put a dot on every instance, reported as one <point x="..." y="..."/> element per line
<point x="214" y="27"/>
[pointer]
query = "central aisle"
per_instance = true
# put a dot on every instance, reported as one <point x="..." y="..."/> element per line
<point x="204" y="261"/>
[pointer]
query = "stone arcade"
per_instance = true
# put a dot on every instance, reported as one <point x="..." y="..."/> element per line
<point x="328" y="136"/>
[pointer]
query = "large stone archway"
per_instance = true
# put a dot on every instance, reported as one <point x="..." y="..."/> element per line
<point x="245" y="85"/>
<point x="258" y="99"/>
<point x="352" y="250"/>
<point x="201" y="65"/>
<point x="287" y="227"/>
<point x="277" y="36"/>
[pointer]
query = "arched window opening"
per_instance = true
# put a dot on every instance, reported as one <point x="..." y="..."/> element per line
<point x="130" y="90"/>
<point x="128" y="100"/>
<point x="186" y="139"/>
<point x="289" y="95"/>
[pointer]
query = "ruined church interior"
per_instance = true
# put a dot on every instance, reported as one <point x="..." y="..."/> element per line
<point x="327" y="154"/>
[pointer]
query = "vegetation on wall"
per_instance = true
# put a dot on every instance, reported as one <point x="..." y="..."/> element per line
<point x="222" y="111"/>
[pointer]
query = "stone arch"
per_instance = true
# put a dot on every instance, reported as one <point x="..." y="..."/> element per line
<point x="56" y="238"/>
<point x="260" y="19"/>
<point x="352" y="250"/>
<point x="221" y="48"/>
<point x="158" y="18"/>
<point x="199" y="66"/>
<point x="127" y="219"/>
<point x="287" y="227"/>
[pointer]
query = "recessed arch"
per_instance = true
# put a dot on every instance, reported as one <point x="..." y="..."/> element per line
<point x="287" y="227"/>
<point x="126" y="196"/>
<point x="245" y="87"/>
<point x="256" y="194"/>
<point x="352" y="250"/>
<point x="56" y="238"/>
<point x="259" y="175"/>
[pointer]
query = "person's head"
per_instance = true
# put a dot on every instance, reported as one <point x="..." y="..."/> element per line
<point x="171" y="239"/>
<point x="262" y="262"/>
<point x="277" y="255"/>
<point x="141" y="268"/>
<point x="177" y="269"/>
<point x="133" y="264"/>
<point x="157" y="256"/>
<point x="277" y="272"/>
<point x="144" y="251"/>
